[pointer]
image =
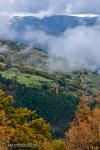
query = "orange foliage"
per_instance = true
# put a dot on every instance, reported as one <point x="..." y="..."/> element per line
<point x="84" y="133"/>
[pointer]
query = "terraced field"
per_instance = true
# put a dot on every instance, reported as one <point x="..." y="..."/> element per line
<point x="27" y="79"/>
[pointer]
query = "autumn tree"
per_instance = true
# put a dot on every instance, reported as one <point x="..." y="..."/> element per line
<point x="84" y="133"/>
<point x="58" y="145"/>
<point x="20" y="125"/>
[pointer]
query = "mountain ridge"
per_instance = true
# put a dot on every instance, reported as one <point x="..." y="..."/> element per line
<point x="53" y="25"/>
<point x="37" y="15"/>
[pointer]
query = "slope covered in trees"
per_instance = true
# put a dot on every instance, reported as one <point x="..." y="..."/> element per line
<point x="21" y="126"/>
<point x="67" y="101"/>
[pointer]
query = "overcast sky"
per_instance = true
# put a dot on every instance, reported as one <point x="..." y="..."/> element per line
<point x="51" y="6"/>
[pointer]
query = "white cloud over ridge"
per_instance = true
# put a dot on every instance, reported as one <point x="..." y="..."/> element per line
<point x="76" y="48"/>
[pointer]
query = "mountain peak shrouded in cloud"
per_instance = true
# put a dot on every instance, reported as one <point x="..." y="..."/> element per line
<point x="69" y="29"/>
<point x="68" y="38"/>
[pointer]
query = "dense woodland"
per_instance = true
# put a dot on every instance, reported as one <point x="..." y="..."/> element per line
<point x="20" y="125"/>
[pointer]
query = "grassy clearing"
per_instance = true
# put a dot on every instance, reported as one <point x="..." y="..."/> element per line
<point x="8" y="74"/>
<point x="2" y="64"/>
<point x="94" y="79"/>
<point x="29" y="80"/>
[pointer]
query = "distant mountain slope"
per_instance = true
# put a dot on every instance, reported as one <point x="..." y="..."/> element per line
<point x="28" y="28"/>
<point x="18" y="55"/>
<point x="53" y="25"/>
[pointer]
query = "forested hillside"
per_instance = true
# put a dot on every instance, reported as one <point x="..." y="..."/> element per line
<point x="47" y="104"/>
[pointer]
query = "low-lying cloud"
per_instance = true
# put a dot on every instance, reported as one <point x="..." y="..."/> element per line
<point x="5" y="30"/>
<point x="75" y="49"/>
<point x="4" y="49"/>
<point x="78" y="48"/>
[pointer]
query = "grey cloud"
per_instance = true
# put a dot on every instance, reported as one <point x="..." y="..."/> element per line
<point x="50" y="6"/>
<point x="5" y="31"/>
<point x="4" y="49"/>
<point x="85" y="6"/>
<point x="77" y="48"/>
